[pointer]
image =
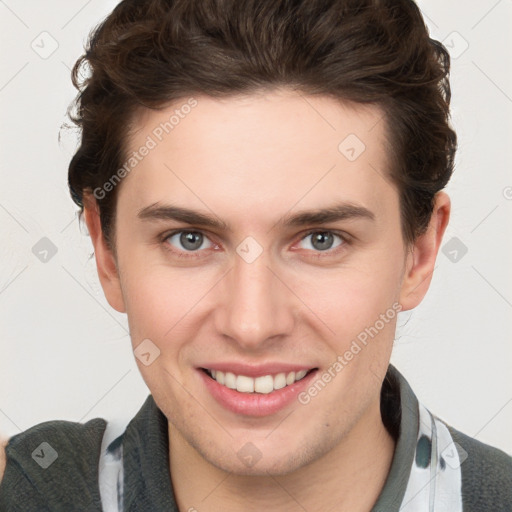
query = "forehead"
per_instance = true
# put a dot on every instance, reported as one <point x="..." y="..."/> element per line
<point x="258" y="152"/>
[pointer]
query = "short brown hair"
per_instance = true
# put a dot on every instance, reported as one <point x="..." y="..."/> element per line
<point x="148" y="53"/>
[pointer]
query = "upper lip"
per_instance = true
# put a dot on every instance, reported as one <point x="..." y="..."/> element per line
<point x="256" y="370"/>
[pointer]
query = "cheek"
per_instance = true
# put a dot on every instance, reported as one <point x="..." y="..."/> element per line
<point x="158" y="298"/>
<point x="353" y="297"/>
<point x="160" y="307"/>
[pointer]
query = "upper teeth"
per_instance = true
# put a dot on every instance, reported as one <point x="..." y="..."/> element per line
<point x="265" y="384"/>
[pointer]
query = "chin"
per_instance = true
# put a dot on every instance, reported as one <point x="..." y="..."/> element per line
<point x="271" y="460"/>
<point x="266" y="466"/>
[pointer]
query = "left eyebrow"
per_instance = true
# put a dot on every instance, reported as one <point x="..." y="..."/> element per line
<point x="337" y="212"/>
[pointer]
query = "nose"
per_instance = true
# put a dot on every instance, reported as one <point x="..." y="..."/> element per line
<point x="257" y="306"/>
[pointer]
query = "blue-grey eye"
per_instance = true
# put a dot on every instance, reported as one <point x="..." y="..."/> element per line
<point x="322" y="240"/>
<point x="189" y="240"/>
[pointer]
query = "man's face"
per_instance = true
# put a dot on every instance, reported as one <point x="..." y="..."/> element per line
<point x="262" y="296"/>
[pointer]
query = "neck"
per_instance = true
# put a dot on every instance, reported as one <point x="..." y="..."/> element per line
<point x="349" y="477"/>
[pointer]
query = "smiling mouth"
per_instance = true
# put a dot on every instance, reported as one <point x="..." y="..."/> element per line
<point x="265" y="384"/>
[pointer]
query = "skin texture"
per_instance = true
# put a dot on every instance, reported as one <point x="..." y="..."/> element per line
<point x="250" y="161"/>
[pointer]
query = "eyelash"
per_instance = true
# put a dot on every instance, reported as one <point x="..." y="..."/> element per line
<point x="319" y="254"/>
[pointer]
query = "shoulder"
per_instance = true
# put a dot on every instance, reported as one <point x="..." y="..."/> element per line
<point x="38" y="460"/>
<point x="486" y="474"/>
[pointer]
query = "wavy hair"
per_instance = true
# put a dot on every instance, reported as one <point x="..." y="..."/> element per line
<point x="149" y="53"/>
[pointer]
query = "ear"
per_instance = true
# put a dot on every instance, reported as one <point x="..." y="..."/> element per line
<point x="422" y="255"/>
<point x="105" y="258"/>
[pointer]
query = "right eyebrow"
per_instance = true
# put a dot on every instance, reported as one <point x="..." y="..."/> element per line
<point x="156" y="211"/>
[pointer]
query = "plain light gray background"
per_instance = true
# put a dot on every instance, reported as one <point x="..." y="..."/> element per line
<point x="65" y="354"/>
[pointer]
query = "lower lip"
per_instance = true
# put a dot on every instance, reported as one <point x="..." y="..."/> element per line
<point x="255" y="404"/>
